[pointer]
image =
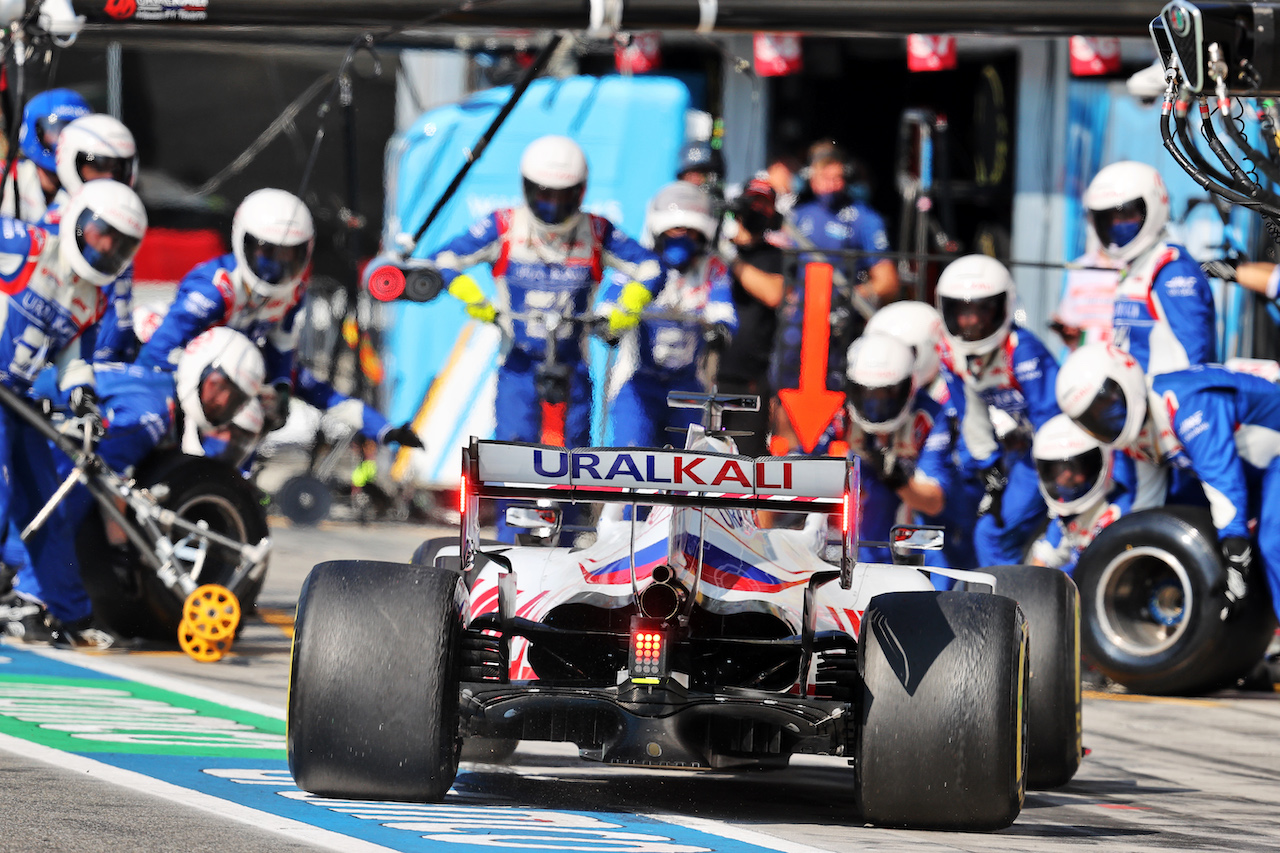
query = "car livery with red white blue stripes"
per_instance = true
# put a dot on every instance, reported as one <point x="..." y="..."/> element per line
<point x="700" y="559"/>
<point x="688" y="635"/>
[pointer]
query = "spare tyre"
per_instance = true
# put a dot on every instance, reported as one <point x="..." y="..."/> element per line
<point x="127" y="596"/>
<point x="1152" y="590"/>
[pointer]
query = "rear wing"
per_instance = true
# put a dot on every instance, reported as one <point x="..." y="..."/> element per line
<point x="500" y="469"/>
<point x="497" y="469"/>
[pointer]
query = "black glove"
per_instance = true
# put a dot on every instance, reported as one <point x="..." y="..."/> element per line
<point x="717" y="337"/>
<point x="1224" y="268"/>
<point x="403" y="435"/>
<point x="993" y="482"/>
<point x="275" y="409"/>
<point x="897" y="477"/>
<point x="1237" y="557"/>
<point x="599" y="327"/>
<point x="84" y="404"/>
<point x="42" y="406"/>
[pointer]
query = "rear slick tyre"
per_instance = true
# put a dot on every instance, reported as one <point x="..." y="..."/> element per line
<point x="945" y="684"/>
<point x="1051" y="604"/>
<point x="373" y="686"/>
<point x="1152" y="596"/>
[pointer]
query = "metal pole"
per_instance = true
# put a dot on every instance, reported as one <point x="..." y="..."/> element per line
<point x="539" y="63"/>
<point x="832" y="17"/>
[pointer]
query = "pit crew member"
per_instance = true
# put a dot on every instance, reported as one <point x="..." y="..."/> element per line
<point x="1001" y="379"/>
<point x="937" y="491"/>
<point x="36" y="176"/>
<point x="1085" y="485"/>
<point x="547" y="255"/>
<point x="54" y="296"/>
<point x="256" y="289"/>
<point x="662" y="353"/>
<point x="1217" y="423"/>
<point x="828" y="216"/>
<point x="219" y="373"/>
<point x="1164" y="313"/>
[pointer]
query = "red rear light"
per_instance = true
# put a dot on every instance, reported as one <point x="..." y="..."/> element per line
<point x="648" y="651"/>
<point x="462" y="496"/>
<point x="845" y="517"/>
<point x="386" y="283"/>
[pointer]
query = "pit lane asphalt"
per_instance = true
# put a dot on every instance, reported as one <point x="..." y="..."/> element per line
<point x="1162" y="774"/>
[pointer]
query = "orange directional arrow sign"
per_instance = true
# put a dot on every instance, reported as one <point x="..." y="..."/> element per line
<point x="811" y="406"/>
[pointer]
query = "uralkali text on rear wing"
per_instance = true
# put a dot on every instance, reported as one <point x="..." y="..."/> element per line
<point x="681" y="477"/>
<point x="689" y="478"/>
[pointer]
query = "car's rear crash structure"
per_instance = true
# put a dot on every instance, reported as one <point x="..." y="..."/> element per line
<point x="692" y="638"/>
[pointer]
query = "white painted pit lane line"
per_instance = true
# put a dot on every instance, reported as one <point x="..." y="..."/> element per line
<point x="194" y="690"/>
<point x="293" y="829"/>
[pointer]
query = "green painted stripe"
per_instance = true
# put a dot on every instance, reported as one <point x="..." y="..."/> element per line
<point x="93" y="715"/>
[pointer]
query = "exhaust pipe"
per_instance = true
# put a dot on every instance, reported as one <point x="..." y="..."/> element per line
<point x="662" y="598"/>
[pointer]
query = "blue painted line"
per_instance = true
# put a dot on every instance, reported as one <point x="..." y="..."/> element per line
<point x="470" y="819"/>
<point x="16" y="662"/>
<point x="466" y="821"/>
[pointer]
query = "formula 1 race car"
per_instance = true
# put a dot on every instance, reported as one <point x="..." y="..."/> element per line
<point x="693" y="638"/>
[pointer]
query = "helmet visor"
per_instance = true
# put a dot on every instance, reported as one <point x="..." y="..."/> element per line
<point x="91" y="167"/>
<point x="881" y="404"/>
<point x="103" y="246"/>
<point x="552" y="206"/>
<point x="974" y="320"/>
<point x="220" y="397"/>
<point x="273" y="263"/>
<point x="1066" y="480"/>
<point x="49" y="128"/>
<point x="1119" y="226"/>
<point x="1105" y="417"/>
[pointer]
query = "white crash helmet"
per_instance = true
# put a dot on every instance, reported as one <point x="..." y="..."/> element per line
<point x="1128" y="208"/>
<point x="880" y="382"/>
<point x="222" y="351"/>
<point x="554" y="170"/>
<point x="1074" y="467"/>
<point x="95" y="147"/>
<point x="272" y="236"/>
<point x="102" y="227"/>
<point x="980" y="286"/>
<point x="1104" y="391"/>
<point x="680" y="204"/>
<point x="919" y="326"/>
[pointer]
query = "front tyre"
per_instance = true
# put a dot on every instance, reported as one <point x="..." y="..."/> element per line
<point x="373" y="686"/>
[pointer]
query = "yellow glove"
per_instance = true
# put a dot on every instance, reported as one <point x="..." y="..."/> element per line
<point x="626" y="316"/>
<point x="466" y="291"/>
<point x="364" y="474"/>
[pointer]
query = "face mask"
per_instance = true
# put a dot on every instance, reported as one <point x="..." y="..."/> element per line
<point x="678" y="252"/>
<point x="549" y="212"/>
<point x="830" y="201"/>
<point x="1123" y="233"/>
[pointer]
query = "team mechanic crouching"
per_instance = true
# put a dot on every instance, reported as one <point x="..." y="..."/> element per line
<point x="1216" y="423"/>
